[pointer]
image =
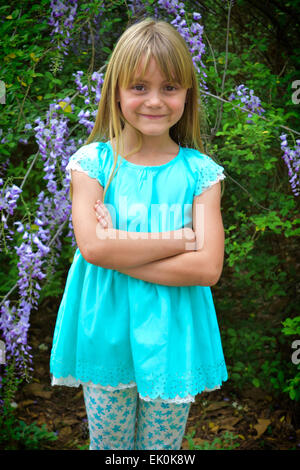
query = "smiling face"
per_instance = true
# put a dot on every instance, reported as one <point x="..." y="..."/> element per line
<point x="152" y="104"/>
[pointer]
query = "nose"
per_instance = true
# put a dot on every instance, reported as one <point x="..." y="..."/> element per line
<point x="154" y="99"/>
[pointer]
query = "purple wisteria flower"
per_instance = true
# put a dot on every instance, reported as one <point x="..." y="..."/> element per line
<point x="84" y="90"/>
<point x="33" y="251"/>
<point x="248" y="100"/>
<point x="8" y="198"/>
<point x="292" y="161"/>
<point x="62" y="18"/>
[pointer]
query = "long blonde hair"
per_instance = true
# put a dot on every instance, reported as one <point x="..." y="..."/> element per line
<point x="148" y="38"/>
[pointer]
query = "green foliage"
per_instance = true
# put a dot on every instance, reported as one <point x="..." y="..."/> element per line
<point x="226" y="442"/>
<point x="256" y="357"/>
<point x="16" y="434"/>
<point x="291" y="326"/>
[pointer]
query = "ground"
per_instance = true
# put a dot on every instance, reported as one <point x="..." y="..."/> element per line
<point x="223" y="419"/>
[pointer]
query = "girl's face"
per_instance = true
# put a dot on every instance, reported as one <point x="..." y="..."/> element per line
<point x="152" y="105"/>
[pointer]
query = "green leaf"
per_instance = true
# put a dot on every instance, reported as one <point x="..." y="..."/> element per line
<point x="256" y="382"/>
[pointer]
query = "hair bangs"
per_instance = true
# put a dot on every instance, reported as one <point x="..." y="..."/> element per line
<point x="171" y="61"/>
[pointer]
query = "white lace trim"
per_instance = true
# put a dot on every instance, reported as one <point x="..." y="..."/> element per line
<point x="72" y="165"/>
<point x="211" y="183"/>
<point x="72" y="382"/>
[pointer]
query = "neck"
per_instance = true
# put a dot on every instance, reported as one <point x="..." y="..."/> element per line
<point x="151" y="145"/>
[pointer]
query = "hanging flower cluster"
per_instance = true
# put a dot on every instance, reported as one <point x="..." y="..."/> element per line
<point x="292" y="161"/>
<point x="8" y="201"/>
<point x="248" y="100"/>
<point x="84" y="116"/>
<point x="8" y="198"/>
<point x="33" y="251"/>
<point x="62" y="19"/>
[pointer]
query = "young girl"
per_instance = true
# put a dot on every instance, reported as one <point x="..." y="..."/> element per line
<point x="137" y="325"/>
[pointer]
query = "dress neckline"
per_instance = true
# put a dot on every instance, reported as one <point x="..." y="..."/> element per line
<point x="155" y="167"/>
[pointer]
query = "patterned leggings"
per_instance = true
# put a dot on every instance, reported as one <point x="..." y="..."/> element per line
<point x="119" y="419"/>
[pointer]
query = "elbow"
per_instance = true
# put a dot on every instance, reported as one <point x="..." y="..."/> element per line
<point x="214" y="280"/>
<point x="93" y="256"/>
<point x="210" y="270"/>
<point x="86" y="253"/>
<point x="98" y="256"/>
<point x="215" y="275"/>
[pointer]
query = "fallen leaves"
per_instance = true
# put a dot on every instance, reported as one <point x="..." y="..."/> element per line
<point x="36" y="390"/>
<point x="261" y="427"/>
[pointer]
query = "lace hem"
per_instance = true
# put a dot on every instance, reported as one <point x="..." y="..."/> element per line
<point x="75" y="166"/>
<point x="211" y="183"/>
<point x="72" y="382"/>
<point x="87" y="160"/>
<point x="176" y="386"/>
<point x="208" y="174"/>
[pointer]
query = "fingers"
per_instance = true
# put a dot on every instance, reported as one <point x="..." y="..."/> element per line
<point x="101" y="215"/>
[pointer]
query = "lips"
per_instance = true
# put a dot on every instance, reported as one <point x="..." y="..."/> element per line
<point x="153" y="116"/>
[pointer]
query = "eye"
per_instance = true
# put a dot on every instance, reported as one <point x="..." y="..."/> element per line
<point x="171" y="86"/>
<point x="136" y="87"/>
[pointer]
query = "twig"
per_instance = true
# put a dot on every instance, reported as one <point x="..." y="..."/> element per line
<point x="214" y="130"/>
<point x="246" y="110"/>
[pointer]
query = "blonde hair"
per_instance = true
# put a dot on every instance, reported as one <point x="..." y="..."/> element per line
<point x="148" y="38"/>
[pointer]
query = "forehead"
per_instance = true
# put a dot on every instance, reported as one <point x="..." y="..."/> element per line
<point x="150" y="71"/>
<point x="146" y="67"/>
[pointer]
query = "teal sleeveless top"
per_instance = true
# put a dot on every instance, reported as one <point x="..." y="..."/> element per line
<point x="116" y="331"/>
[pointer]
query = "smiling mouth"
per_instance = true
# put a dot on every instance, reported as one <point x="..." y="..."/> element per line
<point x="153" y="116"/>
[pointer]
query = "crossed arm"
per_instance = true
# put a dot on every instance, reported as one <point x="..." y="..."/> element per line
<point x="203" y="266"/>
<point x="164" y="261"/>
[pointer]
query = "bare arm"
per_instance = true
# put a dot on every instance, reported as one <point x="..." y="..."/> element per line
<point x="201" y="267"/>
<point x="118" y="248"/>
<point x="131" y="249"/>
<point x="179" y="270"/>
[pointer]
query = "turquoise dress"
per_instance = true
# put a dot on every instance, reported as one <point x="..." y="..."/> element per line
<point x="115" y="331"/>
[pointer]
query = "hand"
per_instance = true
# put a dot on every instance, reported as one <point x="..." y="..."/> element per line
<point x="190" y="238"/>
<point x="103" y="215"/>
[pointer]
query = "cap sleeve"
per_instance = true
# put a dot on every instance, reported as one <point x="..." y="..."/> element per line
<point x="88" y="160"/>
<point x="208" y="173"/>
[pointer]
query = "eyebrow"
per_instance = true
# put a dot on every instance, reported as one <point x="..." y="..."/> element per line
<point x="140" y="79"/>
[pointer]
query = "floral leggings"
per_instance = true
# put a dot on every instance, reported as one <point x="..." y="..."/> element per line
<point x="119" y="419"/>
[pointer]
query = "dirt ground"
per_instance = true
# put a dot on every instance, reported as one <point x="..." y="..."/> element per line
<point x="223" y="419"/>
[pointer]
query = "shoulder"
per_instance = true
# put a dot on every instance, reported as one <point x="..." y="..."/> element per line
<point x="205" y="170"/>
<point x="196" y="158"/>
<point x="89" y="159"/>
<point x="94" y="150"/>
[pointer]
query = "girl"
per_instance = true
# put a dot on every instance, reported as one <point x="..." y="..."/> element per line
<point x="136" y="325"/>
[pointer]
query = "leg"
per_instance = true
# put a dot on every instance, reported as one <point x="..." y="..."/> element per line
<point x="111" y="417"/>
<point x="160" y="425"/>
